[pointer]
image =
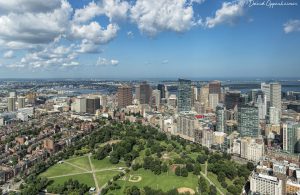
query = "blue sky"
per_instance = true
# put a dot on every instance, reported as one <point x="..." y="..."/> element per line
<point x="148" y="39"/>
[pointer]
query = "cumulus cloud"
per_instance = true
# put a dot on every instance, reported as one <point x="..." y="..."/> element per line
<point x="9" y="54"/>
<point x="228" y="13"/>
<point x="153" y="17"/>
<point x="292" y="26"/>
<point x="105" y="62"/>
<point x="34" y="28"/>
<point x="94" y="32"/>
<point x="51" y="57"/>
<point x="22" y="6"/>
<point x="113" y="9"/>
<point x="88" y="47"/>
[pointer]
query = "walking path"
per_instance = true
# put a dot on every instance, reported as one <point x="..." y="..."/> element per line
<point x="94" y="175"/>
<point x="210" y="182"/>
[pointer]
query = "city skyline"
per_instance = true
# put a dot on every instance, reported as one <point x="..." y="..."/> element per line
<point x="143" y="39"/>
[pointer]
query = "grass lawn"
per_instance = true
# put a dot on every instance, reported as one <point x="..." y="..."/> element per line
<point x="214" y="179"/>
<point x="60" y="169"/>
<point x="103" y="164"/>
<point x="104" y="176"/>
<point x="82" y="162"/>
<point x="86" y="178"/>
<point x="163" y="181"/>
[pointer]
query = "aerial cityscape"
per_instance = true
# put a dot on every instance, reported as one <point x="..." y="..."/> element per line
<point x="147" y="97"/>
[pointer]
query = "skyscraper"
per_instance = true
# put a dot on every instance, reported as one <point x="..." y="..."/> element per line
<point x="266" y="89"/>
<point x="248" y="121"/>
<point x="21" y="102"/>
<point x="275" y="95"/>
<point x="213" y="101"/>
<point x="184" y="97"/>
<point x="92" y="104"/>
<point x="215" y="87"/>
<point x="220" y="118"/>
<point x="11" y="104"/>
<point x="155" y="99"/>
<point x="274" y="116"/>
<point x="232" y="99"/>
<point x="162" y="89"/>
<point x="124" y="96"/>
<point x="204" y="95"/>
<point x="143" y="93"/>
<point x="290" y="136"/>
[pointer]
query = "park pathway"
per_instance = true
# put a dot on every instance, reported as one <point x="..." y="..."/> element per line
<point x="94" y="175"/>
<point x="210" y="182"/>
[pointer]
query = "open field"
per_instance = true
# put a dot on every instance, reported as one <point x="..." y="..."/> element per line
<point x="164" y="181"/>
<point x="82" y="169"/>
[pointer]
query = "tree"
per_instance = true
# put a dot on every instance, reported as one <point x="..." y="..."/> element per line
<point x="250" y="166"/>
<point x="221" y="176"/>
<point x="178" y="171"/>
<point x="197" y="169"/>
<point x="202" y="158"/>
<point x="189" y="167"/>
<point x="203" y="186"/>
<point x="184" y="172"/>
<point x="147" y="152"/>
<point x="164" y="167"/>
<point x="212" y="190"/>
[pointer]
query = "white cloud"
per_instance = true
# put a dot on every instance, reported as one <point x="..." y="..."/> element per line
<point x="292" y="26"/>
<point x="50" y="57"/>
<point x="113" y="9"/>
<point x="94" y="32"/>
<point x="105" y="62"/>
<point x="22" y="6"/>
<point x="228" y="13"/>
<point x="88" y="47"/>
<point x="26" y="28"/>
<point x="87" y="12"/>
<point x="152" y="17"/>
<point x="9" y="54"/>
<point x="70" y="64"/>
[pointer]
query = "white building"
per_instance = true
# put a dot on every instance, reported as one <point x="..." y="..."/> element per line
<point x="213" y="101"/>
<point x="274" y="116"/>
<point x="265" y="184"/>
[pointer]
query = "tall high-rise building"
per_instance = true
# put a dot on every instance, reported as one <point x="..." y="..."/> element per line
<point x="155" y="99"/>
<point x="274" y="116"/>
<point x="162" y="89"/>
<point x="275" y="95"/>
<point x="204" y="95"/>
<point x="248" y="121"/>
<point x="232" y="99"/>
<point x="92" y="104"/>
<point x="143" y="93"/>
<point x="124" y="96"/>
<point x="13" y="94"/>
<point x="11" y="104"/>
<point x="220" y="118"/>
<point x="290" y="136"/>
<point x="21" y="102"/>
<point x="215" y="87"/>
<point x="80" y="105"/>
<point x="261" y="103"/>
<point x="184" y="97"/>
<point x="265" y="87"/>
<point x="213" y="101"/>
